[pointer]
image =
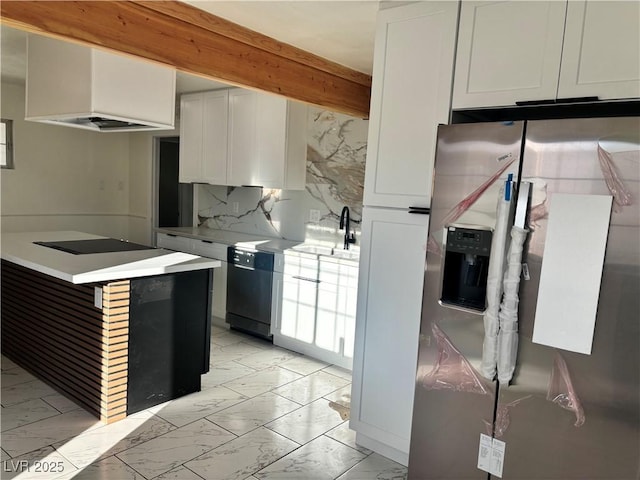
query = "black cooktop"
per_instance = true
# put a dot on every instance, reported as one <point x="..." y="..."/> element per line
<point x="97" y="245"/>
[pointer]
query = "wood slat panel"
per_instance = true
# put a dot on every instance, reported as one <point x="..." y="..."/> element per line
<point x="53" y="329"/>
<point x="194" y="41"/>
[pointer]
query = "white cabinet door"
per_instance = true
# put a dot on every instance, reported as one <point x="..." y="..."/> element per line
<point x="410" y="96"/>
<point x="508" y="52"/>
<point x="601" y="54"/>
<point x="392" y="263"/>
<point x="191" y="122"/>
<point x="299" y="300"/>
<point x="214" y="132"/>
<point x="174" y="242"/>
<point x="336" y="310"/>
<point x="243" y="162"/>
<point x="271" y="134"/>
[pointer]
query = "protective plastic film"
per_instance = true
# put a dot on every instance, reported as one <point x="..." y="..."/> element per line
<point x="621" y="195"/>
<point x="503" y="419"/>
<point x="452" y="370"/>
<point x="494" y="287"/>
<point x="508" y="335"/>
<point x="456" y="212"/>
<point x="561" y="390"/>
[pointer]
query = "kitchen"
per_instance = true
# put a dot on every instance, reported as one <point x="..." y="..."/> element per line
<point x="409" y="114"/>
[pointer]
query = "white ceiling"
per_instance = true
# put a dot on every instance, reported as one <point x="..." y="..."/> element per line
<point x="341" y="31"/>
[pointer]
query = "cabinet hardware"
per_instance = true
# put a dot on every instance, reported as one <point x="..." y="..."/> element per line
<point x="306" y="279"/>
<point x="420" y="210"/>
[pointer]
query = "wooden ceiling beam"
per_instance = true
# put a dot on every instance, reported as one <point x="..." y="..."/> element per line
<point x="196" y="42"/>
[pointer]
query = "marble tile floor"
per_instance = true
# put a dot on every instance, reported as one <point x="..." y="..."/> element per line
<point x="263" y="413"/>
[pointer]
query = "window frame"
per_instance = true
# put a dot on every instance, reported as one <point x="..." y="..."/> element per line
<point x="8" y="145"/>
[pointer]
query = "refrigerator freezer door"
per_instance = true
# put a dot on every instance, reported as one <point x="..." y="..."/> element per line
<point x="584" y="421"/>
<point x="453" y="405"/>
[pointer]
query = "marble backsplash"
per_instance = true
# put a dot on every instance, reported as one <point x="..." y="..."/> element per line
<point x="336" y="154"/>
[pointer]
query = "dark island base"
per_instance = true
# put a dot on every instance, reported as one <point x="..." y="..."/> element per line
<point x="169" y="337"/>
<point x="149" y="342"/>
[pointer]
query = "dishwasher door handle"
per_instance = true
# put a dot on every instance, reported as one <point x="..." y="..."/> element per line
<point x="235" y="265"/>
<point x="306" y="279"/>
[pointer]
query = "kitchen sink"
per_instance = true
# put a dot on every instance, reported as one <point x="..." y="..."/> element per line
<point x="346" y="254"/>
<point x="313" y="249"/>
<point x="327" y="251"/>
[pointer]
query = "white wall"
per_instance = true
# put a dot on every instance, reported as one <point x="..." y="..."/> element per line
<point x="64" y="178"/>
<point x="141" y="185"/>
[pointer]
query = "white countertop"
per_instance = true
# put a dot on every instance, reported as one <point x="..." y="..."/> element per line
<point x="265" y="244"/>
<point x="98" y="267"/>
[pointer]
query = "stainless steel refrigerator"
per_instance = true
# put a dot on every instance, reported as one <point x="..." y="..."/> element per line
<point x="568" y="412"/>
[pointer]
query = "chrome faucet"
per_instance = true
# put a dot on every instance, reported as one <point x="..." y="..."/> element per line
<point x="349" y="237"/>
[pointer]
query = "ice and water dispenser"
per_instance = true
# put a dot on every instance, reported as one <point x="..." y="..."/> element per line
<point x="466" y="265"/>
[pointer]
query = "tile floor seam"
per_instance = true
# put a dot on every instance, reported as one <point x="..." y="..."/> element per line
<point x="185" y="466"/>
<point x="52" y="406"/>
<point x="288" y="438"/>
<point x="130" y="466"/>
<point x="162" y="473"/>
<point x="59" y="453"/>
<point x="185" y="461"/>
<point x="276" y="393"/>
<point x="346" y="445"/>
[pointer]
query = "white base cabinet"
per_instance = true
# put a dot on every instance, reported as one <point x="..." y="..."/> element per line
<point x="204" y="248"/>
<point x="391" y="278"/>
<point x="317" y="307"/>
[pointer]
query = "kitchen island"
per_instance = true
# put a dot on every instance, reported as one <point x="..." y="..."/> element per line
<point x="116" y="331"/>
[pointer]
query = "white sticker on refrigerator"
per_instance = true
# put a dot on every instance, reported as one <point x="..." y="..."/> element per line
<point x="497" y="457"/>
<point x="484" y="453"/>
<point x="571" y="271"/>
<point x="491" y="455"/>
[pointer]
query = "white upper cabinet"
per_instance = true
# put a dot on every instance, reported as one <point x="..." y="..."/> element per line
<point x="282" y="139"/>
<point x="191" y="120"/>
<point x="410" y="96"/>
<point x="601" y="55"/>
<point x="524" y="51"/>
<point x="214" y="128"/>
<point x="508" y="52"/>
<point x="242" y="137"/>
<point x="203" y="137"/>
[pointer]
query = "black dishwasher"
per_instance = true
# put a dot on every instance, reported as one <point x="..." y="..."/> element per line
<point x="249" y="284"/>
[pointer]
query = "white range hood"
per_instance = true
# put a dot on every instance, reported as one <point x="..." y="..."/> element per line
<point x="82" y="87"/>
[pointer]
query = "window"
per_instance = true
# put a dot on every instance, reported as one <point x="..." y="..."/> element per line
<point x="6" y="143"/>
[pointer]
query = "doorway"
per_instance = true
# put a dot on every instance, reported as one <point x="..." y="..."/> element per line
<point x="175" y="199"/>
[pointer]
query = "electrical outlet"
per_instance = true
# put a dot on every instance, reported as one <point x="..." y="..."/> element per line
<point x="120" y="185"/>
<point x="314" y="215"/>
<point x="236" y="207"/>
<point x="101" y="184"/>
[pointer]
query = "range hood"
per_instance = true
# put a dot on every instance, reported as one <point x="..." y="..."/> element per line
<point x="82" y="87"/>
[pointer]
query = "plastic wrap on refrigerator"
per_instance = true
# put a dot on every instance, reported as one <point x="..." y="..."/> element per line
<point x="621" y="195"/>
<point x="494" y="287"/>
<point x="561" y="390"/>
<point x="452" y="370"/>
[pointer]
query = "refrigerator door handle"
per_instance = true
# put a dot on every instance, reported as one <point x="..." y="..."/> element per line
<point x="420" y="210"/>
